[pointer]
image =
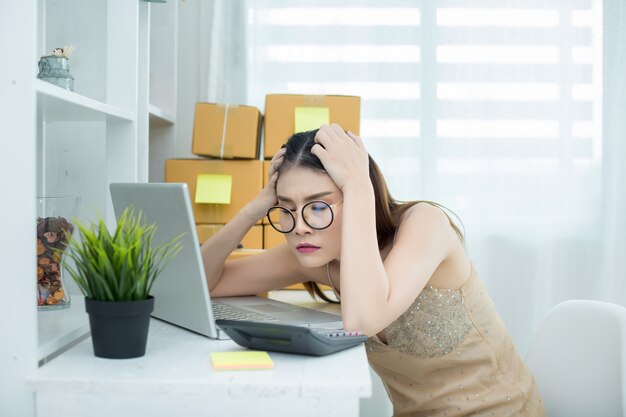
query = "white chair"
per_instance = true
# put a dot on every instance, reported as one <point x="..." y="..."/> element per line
<point x="578" y="358"/>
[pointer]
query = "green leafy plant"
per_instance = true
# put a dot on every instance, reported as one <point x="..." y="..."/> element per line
<point x="118" y="267"/>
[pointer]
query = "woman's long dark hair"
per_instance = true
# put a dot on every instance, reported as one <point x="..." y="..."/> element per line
<point x="388" y="210"/>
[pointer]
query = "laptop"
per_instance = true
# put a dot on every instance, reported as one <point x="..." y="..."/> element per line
<point x="181" y="291"/>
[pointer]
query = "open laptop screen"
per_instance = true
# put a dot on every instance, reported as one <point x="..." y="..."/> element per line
<point x="180" y="291"/>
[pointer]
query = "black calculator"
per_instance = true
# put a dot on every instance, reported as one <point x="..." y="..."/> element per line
<point x="289" y="338"/>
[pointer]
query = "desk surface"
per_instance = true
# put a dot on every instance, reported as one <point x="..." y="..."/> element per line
<point x="177" y="370"/>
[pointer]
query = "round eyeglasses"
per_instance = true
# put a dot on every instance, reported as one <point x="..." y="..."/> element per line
<point x="317" y="215"/>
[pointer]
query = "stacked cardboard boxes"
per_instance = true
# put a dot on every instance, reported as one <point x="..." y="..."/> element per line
<point x="229" y="174"/>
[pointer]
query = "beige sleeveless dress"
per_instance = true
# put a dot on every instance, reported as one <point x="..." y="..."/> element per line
<point x="450" y="355"/>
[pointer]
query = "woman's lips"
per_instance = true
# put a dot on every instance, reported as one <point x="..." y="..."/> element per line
<point x="306" y="248"/>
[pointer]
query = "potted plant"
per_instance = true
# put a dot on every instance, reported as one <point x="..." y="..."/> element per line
<point x="116" y="272"/>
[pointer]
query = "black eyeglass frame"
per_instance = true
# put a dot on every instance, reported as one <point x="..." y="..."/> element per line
<point x="296" y="211"/>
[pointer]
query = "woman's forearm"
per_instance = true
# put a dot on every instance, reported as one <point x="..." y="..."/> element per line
<point x="217" y="248"/>
<point x="364" y="283"/>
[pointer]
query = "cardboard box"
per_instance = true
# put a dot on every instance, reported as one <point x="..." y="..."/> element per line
<point x="266" y="169"/>
<point x="266" y="172"/>
<point x="272" y="238"/>
<point x="281" y="112"/>
<point x="226" y="131"/>
<point x="252" y="240"/>
<point x="242" y="179"/>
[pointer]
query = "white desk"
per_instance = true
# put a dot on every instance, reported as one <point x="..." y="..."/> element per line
<point x="175" y="378"/>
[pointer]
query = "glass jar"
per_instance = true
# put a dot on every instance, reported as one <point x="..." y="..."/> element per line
<point x="54" y="229"/>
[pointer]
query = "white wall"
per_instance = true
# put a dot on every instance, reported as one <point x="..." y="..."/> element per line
<point x="189" y="82"/>
<point x="163" y="143"/>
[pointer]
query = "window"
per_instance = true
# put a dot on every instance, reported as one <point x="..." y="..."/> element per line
<point x="480" y="105"/>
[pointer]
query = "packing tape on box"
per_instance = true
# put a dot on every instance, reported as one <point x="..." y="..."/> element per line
<point x="224" y="130"/>
<point x="314" y="100"/>
<point x="226" y="149"/>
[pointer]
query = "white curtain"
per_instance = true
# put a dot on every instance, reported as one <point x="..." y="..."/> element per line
<point x="222" y="51"/>
<point x="510" y="113"/>
<point x="613" y="267"/>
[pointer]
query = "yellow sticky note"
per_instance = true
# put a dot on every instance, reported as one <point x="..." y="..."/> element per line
<point x="213" y="189"/>
<point x="309" y="118"/>
<point x="243" y="359"/>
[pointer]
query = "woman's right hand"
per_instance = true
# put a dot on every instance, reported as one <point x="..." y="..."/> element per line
<point x="266" y="199"/>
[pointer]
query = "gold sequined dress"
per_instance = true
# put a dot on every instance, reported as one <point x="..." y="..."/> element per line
<point x="450" y="355"/>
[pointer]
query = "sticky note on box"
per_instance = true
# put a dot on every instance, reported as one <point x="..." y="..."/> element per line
<point x="241" y="360"/>
<point x="213" y="189"/>
<point x="311" y="118"/>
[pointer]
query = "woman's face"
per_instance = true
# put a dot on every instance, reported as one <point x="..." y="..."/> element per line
<point x="297" y="186"/>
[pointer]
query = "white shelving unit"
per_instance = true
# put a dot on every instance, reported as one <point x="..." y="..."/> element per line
<point x="18" y="106"/>
<point x="60" y="329"/>
<point x="60" y="142"/>
<point x="159" y="117"/>
<point x="56" y="104"/>
<point x="96" y="134"/>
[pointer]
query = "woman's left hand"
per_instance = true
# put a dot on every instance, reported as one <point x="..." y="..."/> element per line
<point x="343" y="155"/>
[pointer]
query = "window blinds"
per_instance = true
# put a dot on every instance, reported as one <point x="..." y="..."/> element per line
<point x="478" y="104"/>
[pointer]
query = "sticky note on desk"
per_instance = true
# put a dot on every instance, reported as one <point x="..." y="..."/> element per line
<point x="309" y="118"/>
<point x="241" y="360"/>
<point x="213" y="189"/>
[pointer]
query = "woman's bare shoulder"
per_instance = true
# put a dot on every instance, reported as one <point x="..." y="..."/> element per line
<point x="422" y="215"/>
<point x="454" y="268"/>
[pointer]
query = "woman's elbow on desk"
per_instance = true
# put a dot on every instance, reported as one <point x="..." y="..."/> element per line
<point x="366" y="330"/>
<point x="365" y="325"/>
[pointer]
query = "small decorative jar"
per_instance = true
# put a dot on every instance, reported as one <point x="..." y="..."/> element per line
<point x="56" y="70"/>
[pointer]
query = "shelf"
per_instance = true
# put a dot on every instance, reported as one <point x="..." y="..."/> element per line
<point x="158" y="115"/>
<point x="58" y="105"/>
<point x="60" y="329"/>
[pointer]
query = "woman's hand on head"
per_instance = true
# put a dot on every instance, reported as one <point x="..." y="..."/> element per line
<point x="266" y="199"/>
<point x="343" y="155"/>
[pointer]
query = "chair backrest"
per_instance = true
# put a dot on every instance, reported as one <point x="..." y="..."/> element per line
<point x="578" y="359"/>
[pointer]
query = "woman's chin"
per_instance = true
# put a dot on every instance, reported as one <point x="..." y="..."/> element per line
<point x="311" y="260"/>
<point x="310" y="263"/>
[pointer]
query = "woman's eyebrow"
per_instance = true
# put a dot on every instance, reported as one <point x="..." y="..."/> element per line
<point x="309" y="198"/>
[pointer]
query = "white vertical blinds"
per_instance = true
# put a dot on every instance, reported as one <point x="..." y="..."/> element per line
<point x="519" y="108"/>
<point x="481" y="105"/>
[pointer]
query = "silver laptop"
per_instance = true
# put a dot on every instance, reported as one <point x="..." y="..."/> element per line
<point x="181" y="291"/>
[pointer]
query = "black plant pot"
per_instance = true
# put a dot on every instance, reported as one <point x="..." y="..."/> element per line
<point x="119" y="330"/>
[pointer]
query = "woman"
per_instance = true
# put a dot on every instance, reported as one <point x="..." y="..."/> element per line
<point x="401" y="273"/>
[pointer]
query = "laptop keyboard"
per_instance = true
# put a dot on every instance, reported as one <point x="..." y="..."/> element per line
<point x="228" y="312"/>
